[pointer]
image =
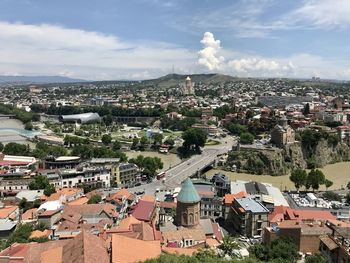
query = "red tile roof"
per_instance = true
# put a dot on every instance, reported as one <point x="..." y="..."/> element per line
<point x="143" y="210"/>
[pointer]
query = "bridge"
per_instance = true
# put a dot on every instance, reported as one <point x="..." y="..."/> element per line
<point x="189" y="168"/>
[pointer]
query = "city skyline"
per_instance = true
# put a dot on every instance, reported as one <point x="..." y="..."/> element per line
<point x="146" y="39"/>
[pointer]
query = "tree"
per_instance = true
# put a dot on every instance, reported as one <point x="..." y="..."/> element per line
<point x="28" y="126"/>
<point x="20" y="235"/>
<point x="158" y="138"/>
<point x="228" y="245"/>
<point x="194" y="138"/>
<point x="328" y="183"/>
<point x="117" y="145"/>
<point x="315" y="178"/>
<point x="283" y="248"/>
<point x="170" y="142"/>
<point x="42" y="182"/>
<point x="106" y="139"/>
<point x="135" y="142"/>
<point x="306" y="110"/>
<point x="317" y="258"/>
<point x="49" y="190"/>
<point x="347" y="197"/>
<point x="246" y="138"/>
<point x="348" y="185"/>
<point x="13" y="148"/>
<point x="108" y="120"/>
<point x="236" y="129"/>
<point x="332" y="196"/>
<point x="298" y="177"/>
<point x="1" y="147"/>
<point x="95" y="199"/>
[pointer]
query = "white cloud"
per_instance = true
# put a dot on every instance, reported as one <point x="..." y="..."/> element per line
<point x="54" y="50"/>
<point x="208" y="55"/>
<point x="212" y="58"/>
<point x="321" y="13"/>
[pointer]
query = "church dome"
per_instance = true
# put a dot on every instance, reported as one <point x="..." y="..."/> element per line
<point x="188" y="193"/>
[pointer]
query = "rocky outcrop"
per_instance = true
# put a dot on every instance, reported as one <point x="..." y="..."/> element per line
<point x="274" y="161"/>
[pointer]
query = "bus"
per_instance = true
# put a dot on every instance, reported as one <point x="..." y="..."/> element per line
<point x="160" y="175"/>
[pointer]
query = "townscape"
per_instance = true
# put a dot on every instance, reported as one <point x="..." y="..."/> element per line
<point x="174" y="131"/>
<point x="69" y="190"/>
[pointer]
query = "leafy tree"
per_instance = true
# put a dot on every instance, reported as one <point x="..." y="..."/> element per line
<point x="13" y="148"/>
<point x="228" y="245"/>
<point x="306" y="110"/>
<point x="246" y="138"/>
<point x="20" y="235"/>
<point x="158" y="138"/>
<point x="194" y="138"/>
<point x="28" y="126"/>
<point x="347" y="197"/>
<point x="95" y="199"/>
<point x="315" y="178"/>
<point x="348" y="185"/>
<point x="317" y="258"/>
<point x="150" y="165"/>
<point x="236" y="129"/>
<point x="298" y="177"/>
<point x="49" y="189"/>
<point x="283" y="248"/>
<point x="170" y="142"/>
<point x="106" y="139"/>
<point x="328" y="183"/>
<point x="108" y="120"/>
<point x="332" y="196"/>
<point x="1" y="147"/>
<point x="117" y="145"/>
<point x="135" y="142"/>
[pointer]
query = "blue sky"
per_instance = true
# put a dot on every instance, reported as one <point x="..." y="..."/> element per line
<point x="137" y="39"/>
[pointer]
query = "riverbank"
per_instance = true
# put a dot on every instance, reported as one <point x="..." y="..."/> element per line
<point x="12" y="130"/>
<point x="338" y="173"/>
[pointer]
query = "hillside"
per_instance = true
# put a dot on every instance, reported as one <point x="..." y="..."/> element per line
<point x="175" y="79"/>
<point x="36" y="79"/>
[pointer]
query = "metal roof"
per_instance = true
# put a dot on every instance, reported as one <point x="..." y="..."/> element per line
<point x="188" y="193"/>
<point x="83" y="117"/>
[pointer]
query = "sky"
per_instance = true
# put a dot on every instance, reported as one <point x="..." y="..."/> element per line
<point x="142" y="39"/>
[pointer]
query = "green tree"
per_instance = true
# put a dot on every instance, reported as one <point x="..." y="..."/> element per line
<point x="306" y="110"/>
<point x="20" y="235"/>
<point x="298" y="177"/>
<point x="49" y="190"/>
<point x="194" y="139"/>
<point x="317" y="258"/>
<point x="117" y="145"/>
<point x="228" y="245"/>
<point x="283" y="248"/>
<point x="315" y="178"/>
<point x="108" y="120"/>
<point x="332" y="196"/>
<point x="236" y="129"/>
<point x="1" y="147"/>
<point x="348" y="185"/>
<point x="170" y="142"/>
<point x="28" y="126"/>
<point x="328" y="183"/>
<point x="347" y="198"/>
<point x="246" y="138"/>
<point x="106" y="139"/>
<point x="95" y="199"/>
<point x="135" y="142"/>
<point x="158" y="138"/>
<point x="13" y="148"/>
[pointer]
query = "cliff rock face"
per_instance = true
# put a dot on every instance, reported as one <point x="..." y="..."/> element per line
<point x="292" y="156"/>
<point x="326" y="154"/>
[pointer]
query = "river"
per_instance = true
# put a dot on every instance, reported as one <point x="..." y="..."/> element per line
<point x="12" y="130"/>
<point x="338" y="173"/>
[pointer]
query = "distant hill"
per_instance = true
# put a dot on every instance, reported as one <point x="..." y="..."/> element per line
<point x="37" y="79"/>
<point x="175" y="79"/>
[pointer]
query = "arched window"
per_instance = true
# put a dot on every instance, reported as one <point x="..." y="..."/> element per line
<point x="190" y="219"/>
<point x="184" y="218"/>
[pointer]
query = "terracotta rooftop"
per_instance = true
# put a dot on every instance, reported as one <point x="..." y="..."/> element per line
<point x="228" y="199"/>
<point x="38" y="233"/>
<point x="6" y="212"/>
<point x="127" y="222"/>
<point x="80" y="201"/>
<point x="196" y="234"/>
<point x="30" y="214"/>
<point x="129" y="250"/>
<point x="143" y="210"/>
<point x="91" y="209"/>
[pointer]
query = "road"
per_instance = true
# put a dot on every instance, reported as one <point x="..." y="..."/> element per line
<point x="177" y="174"/>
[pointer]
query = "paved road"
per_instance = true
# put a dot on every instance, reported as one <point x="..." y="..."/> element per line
<point x="190" y="167"/>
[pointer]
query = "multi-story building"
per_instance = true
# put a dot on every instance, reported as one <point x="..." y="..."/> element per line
<point x="222" y="184"/>
<point x="125" y="175"/>
<point x="248" y="217"/>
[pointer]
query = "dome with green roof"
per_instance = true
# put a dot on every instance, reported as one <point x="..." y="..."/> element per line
<point x="188" y="193"/>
